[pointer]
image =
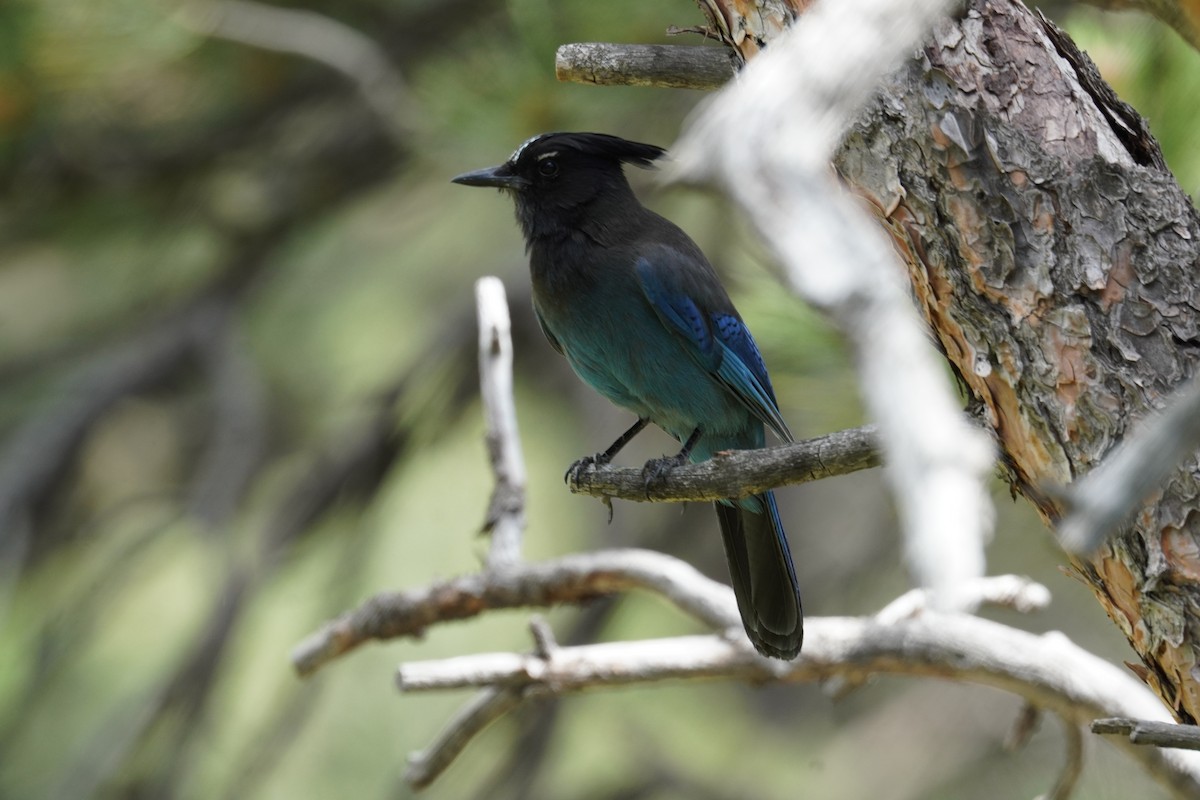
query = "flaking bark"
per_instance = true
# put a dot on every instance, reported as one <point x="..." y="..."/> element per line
<point x="1056" y="262"/>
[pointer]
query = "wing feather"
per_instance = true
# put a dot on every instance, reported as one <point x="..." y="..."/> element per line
<point x="717" y="339"/>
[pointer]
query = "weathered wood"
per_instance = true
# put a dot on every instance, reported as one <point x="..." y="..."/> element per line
<point x="668" y="66"/>
<point x="1151" y="732"/>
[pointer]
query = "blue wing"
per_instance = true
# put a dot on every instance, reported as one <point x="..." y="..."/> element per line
<point x="719" y="340"/>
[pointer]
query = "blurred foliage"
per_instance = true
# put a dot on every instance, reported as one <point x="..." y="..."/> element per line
<point x="1155" y="71"/>
<point x="237" y="397"/>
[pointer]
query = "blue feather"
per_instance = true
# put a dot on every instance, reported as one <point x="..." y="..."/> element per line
<point x="719" y="340"/>
<point x="675" y="308"/>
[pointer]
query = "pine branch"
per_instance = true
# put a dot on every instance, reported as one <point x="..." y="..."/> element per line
<point x="739" y="473"/>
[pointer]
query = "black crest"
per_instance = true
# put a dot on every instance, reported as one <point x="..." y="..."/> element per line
<point x="596" y="145"/>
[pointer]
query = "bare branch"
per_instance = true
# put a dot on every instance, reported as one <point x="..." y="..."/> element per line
<point x="767" y="140"/>
<point x="544" y="643"/>
<point x="506" y="510"/>
<point x="570" y="579"/>
<point x="1017" y="592"/>
<point x="1027" y="721"/>
<point x="484" y="709"/>
<point x="1048" y="670"/>
<point x="1143" y="731"/>
<point x="1072" y="766"/>
<point x="662" y="65"/>
<point x="740" y="473"/>
<point x="1008" y="591"/>
<point x="505" y="521"/>
<point x="1109" y="494"/>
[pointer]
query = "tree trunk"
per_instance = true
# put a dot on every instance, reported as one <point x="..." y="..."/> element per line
<point x="1055" y="258"/>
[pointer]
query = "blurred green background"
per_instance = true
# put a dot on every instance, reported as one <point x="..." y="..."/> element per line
<point x="237" y="396"/>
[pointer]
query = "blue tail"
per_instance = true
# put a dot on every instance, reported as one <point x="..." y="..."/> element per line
<point x="764" y="580"/>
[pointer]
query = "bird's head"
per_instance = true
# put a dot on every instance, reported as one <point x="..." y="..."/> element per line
<point x="557" y="179"/>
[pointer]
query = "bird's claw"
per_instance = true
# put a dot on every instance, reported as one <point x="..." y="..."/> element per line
<point x="576" y="471"/>
<point x="656" y="470"/>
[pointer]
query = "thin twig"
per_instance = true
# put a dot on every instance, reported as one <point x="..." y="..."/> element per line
<point x="1023" y="727"/>
<point x="1144" y="731"/>
<point x="1072" y="766"/>
<point x="484" y="709"/>
<point x="544" y="643"/>
<point x="505" y="521"/>
<point x="740" y="473"/>
<point x="506" y="510"/>
<point x="1016" y="592"/>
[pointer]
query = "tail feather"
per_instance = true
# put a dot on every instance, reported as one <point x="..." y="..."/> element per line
<point x="763" y="577"/>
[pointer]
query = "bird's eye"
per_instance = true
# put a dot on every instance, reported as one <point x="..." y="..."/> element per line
<point x="548" y="167"/>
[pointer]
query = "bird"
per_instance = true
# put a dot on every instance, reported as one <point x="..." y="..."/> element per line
<point x="642" y="317"/>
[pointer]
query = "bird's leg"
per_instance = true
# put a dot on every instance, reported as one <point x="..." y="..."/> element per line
<point x="657" y="469"/>
<point x="576" y="470"/>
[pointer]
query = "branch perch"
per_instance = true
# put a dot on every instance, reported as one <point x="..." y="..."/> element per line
<point x="740" y="473"/>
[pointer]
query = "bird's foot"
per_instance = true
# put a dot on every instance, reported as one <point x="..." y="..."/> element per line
<point x="656" y="470"/>
<point x="576" y="471"/>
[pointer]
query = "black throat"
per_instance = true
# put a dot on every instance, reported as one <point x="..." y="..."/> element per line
<point x="605" y="212"/>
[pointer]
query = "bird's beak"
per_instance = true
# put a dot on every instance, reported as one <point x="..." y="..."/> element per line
<point x="502" y="177"/>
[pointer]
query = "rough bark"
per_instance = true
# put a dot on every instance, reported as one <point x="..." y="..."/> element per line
<point x="746" y="26"/>
<point x="1055" y="259"/>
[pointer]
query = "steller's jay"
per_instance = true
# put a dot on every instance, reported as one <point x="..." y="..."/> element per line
<point x="641" y="316"/>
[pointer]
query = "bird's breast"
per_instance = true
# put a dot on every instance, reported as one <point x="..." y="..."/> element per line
<point x="614" y="340"/>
